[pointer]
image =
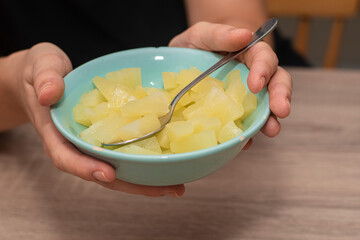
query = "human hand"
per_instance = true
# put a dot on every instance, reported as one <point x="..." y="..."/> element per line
<point x="260" y="59"/>
<point x="40" y="82"/>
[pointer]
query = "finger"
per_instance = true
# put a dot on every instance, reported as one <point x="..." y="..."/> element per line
<point x="248" y="144"/>
<point x="272" y="126"/>
<point x="50" y="65"/>
<point x="263" y="63"/>
<point x="280" y="90"/>
<point x="68" y="159"/>
<point x="212" y="37"/>
<point x="151" y="191"/>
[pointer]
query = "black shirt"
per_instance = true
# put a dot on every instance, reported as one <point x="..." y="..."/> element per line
<point x="86" y="29"/>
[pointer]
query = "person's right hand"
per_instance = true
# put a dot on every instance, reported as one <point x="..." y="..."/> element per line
<point x="40" y="72"/>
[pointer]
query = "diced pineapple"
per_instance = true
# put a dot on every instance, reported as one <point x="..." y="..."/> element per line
<point x="178" y="114"/>
<point x="128" y="77"/>
<point x="156" y="103"/>
<point x="218" y="104"/>
<point x="163" y="138"/>
<point x="116" y="94"/>
<point x="88" y="135"/>
<point x="195" y="110"/>
<point x="206" y="84"/>
<point x="194" y="142"/>
<point x="121" y="109"/>
<point x="179" y="129"/>
<point x="169" y="80"/>
<point x="138" y="128"/>
<point x="92" y="98"/>
<point x="151" y="144"/>
<point x="185" y="100"/>
<point x="100" y="111"/>
<point x="187" y="76"/>
<point x="228" y="131"/>
<point x="239" y="124"/>
<point x="250" y="104"/>
<point x="82" y="114"/>
<point x="109" y="131"/>
<point x="167" y="152"/>
<point x="135" y="149"/>
<point x="139" y="92"/>
<point x="234" y="87"/>
<point x="151" y="90"/>
<point x="203" y="123"/>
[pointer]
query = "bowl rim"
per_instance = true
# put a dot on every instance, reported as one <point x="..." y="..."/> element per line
<point x="159" y="158"/>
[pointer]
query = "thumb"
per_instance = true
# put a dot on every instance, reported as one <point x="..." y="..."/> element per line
<point x="49" y="65"/>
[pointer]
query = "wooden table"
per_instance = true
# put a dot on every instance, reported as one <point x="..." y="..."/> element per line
<point x="303" y="184"/>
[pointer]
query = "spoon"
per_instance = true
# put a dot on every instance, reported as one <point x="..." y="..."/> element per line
<point x="263" y="31"/>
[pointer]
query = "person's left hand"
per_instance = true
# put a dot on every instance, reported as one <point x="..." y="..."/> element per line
<point x="260" y="59"/>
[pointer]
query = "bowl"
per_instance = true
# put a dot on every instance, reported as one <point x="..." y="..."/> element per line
<point x="155" y="170"/>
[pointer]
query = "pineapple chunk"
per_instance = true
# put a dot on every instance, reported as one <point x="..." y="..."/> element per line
<point x="250" y="104"/>
<point x="163" y="138"/>
<point x="128" y="77"/>
<point x="135" y="149"/>
<point x="228" y="132"/>
<point x="207" y="83"/>
<point x="109" y="131"/>
<point x="82" y="114"/>
<point x="156" y="103"/>
<point x="194" y="142"/>
<point x="100" y="111"/>
<point x="178" y="130"/>
<point x="178" y="114"/>
<point x="92" y="98"/>
<point x="195" y="110"/>
<point x="138" y="128"/>
<point x="148" y="146"/>
<point x="218" y="104"/>
<point x="116" y="94"/>
<point x="187" y="76"/>
<point x="151" y="90"/>
<point x="185" y="100"/>
<point x="169" y="80"/>
<point x="88" y="135"/>
<point x="151" y="144"/>
<point x="234" y="87"/>
<point x="203" y="123"/>
<point x="239" y="124"/>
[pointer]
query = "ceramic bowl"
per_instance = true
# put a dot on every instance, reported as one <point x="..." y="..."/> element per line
<point x="155" y="170"/>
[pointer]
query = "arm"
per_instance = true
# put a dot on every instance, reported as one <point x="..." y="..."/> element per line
<point x="12" y="113"/>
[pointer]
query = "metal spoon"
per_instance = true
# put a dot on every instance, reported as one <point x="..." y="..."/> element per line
<point x="264" y="30"/>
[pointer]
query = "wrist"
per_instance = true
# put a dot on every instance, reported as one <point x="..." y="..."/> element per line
<point x="11" y="107"/>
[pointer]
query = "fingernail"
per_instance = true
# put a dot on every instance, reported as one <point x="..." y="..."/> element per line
<point x="100" y="176"/>
<point x="172" y="194"/>
<point x="262" y="81"/>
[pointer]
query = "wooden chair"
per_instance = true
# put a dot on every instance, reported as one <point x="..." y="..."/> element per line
<point x="304" y="10"/>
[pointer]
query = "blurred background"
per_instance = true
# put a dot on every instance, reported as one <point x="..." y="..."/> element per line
<point x="320" y="17"/>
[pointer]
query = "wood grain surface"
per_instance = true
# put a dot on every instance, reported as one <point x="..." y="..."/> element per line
<point x="303" y="184"/>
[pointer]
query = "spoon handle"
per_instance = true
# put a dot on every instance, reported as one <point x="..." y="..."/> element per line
<point x="263" y="31"/>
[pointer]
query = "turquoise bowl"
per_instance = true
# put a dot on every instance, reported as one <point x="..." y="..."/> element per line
<point x="155" y="170"/>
